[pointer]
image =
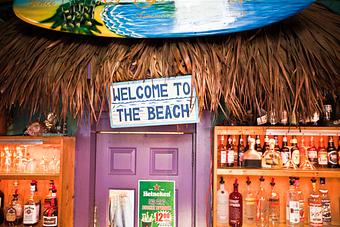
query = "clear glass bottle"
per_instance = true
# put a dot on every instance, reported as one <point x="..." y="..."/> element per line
<point x="312" y="153"/>
<point x="271" y="158"/>
<point x="249" y="211"/>
<point x="274" y="205"/>
<point x="305" y="163"/>
<point x="261" y="205"/>
<point x="332" y="154"/>
<point x="322" y="155"/>
<point x="314" y="206"/>
<point x="301" y="201"/>
<point x="230" y="153"/>
<point x="32" y="207"/>
<point x="295" y="151"/>
<point x="235" y="207"/>
<point x="222" y="153"/>
<point x="285" y="152"/>
<point x="222" y="204"/>
<point x="241" y="151"/>
<point x="252" y="158"/>
<point x="258" y="147"/>
<point x="326" y="203"/>
<point x="235" y="148"/>
<point x="292" y="206"/>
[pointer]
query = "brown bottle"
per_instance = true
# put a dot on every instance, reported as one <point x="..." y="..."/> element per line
<point x="312" y="153"/>
<point x="332" y="154"/>
<point x="322" y="155"/>
<point x="258" y="145"/>
<point x="235" y="207"/>
<point x="241" y="151"/>
<point x="222" y="154"/>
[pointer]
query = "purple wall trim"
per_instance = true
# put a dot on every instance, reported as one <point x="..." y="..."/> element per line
<point x="85" y="168"/>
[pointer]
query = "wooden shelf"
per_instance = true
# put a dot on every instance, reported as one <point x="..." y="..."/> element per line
<point x="277" y="130"/>
<point x="331" y="173"/>
<point x="28" y="176"/>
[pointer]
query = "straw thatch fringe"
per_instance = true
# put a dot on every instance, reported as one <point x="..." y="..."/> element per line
<point x="283" y="66"/>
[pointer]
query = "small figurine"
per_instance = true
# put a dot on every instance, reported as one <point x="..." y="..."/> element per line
<point x="36" y="128"/>
<point x="51" y="122"/>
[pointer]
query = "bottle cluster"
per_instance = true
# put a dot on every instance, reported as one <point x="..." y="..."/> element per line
<point x="31" y="211"/>
<point x="262" y="208"/>
<point x="232" y="151"/>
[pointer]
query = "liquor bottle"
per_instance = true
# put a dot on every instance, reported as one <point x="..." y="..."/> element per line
<point x="277" y="147"/>
<point x="258" y="147"/>
<point x="314" y="206"/>
<point x="252" y="158"/>
<point x="271" y="158"/>
<point x="312" y="153"/>
<point x="266" y="144"/>
<point x="322" y="155"/>
<point x="292" y="205"/>
<point x="230" y="153"/>
<point x="285" y="153"/>
<point x="261" y="205"/>
<point x="301" y="200"/>
<point x="222" y="160"/>
<point x="295" y="151"/>
<point x="47" y="201"/>
<point x="222" y="204"/>
<point x="235" y="207"/>
<point x="305" y="163"/>
<point x="19" y="202"/>
<point x="2" y="216"/>
<point x="50" y="214"/>
<point x="13" y="215"/>
<point x="274" y="205"/>
<point x="247" y="142"/>
<point x="32" y="207"/>
<point x="241" y="151"/>
<point x="249" y="209"/>
<point x="326" y="203"/>
<point x="332" y="154"/>
<point x="235" y="148"/>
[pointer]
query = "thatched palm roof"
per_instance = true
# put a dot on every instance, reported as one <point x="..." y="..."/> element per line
<point x="287" y="65"/>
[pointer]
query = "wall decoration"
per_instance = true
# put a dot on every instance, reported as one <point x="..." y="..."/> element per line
<point x="155" y="18"/>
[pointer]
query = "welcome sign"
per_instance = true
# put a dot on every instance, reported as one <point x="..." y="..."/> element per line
<point x="161" y="101"/>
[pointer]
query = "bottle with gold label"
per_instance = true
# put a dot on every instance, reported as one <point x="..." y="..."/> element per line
<point x="271" y="158"/>
<point x="322" y="155"/>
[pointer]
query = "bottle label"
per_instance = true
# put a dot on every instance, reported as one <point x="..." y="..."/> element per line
<point x="223" y="156"/>
<point x="315" y="213"/>
<point x="323" y="159"/>
<point x="326" y="210"/>
<point x="230" y="156"/>
<point x="285" y="157"/>
<point x="312" y="154"/>
<point x="296" y="157"/>
<point x="294" y="212"/>
<point x="235" y="211"/>
<point x="50" y="221"/>
<point x="333" y="157"/>
<point x="250" y="210"/>
<point x="31" y="214"/>
<point x="11" y="215"/>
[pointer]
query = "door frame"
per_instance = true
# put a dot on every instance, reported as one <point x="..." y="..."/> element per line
<point x="201" y="158"/>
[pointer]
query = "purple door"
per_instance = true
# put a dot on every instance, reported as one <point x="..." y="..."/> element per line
<point x="123" y="159"/>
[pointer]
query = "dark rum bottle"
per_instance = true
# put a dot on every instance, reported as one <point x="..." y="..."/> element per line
<point x="241" y="151"/>
<point x="230" y="153"/>
<point x="285" y="153"/>
<point x="258" y="145"/>
<point x="332" y="154"/>
<point x="312" y="153"/>
<point x="235" y="207"/>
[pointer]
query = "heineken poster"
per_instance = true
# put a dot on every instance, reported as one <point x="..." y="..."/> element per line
<point x="156" y="203"/>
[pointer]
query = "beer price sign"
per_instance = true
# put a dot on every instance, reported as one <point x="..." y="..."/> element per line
<point x="156" y="203"/>
<point x="161" y="101"/>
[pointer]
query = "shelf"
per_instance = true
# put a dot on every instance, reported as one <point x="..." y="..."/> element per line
<point x="278" y="130"/>
<point x="28" y="176"/>
<point x="331" y="173"/>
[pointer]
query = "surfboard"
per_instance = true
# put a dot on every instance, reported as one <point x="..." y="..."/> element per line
<point x="155" y="18"/>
